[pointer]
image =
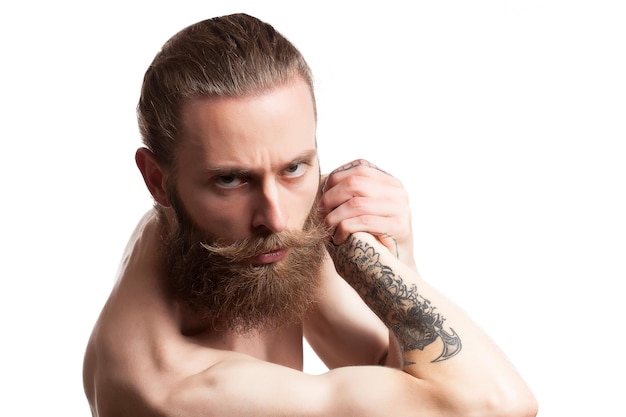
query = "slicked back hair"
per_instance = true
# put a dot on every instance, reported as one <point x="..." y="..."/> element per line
<point x="228" y="56"/>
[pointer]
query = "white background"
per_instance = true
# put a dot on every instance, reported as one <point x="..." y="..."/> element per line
<point x="506" y="121"/>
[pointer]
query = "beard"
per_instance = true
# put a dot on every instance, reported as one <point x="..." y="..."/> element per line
<point x="225" y="291"/>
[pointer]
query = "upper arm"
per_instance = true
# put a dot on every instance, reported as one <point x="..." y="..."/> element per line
<point x="245" y="387"/>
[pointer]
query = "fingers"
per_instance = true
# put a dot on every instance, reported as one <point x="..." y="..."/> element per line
<point x="361" y="197"/>
<point x="374" y="225"/>
<point x="357" y="180"/>
<point x="357" y="168"/>
<point x="375" y="215"/>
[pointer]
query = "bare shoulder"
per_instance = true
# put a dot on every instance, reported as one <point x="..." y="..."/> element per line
<point x="133" y="355"/>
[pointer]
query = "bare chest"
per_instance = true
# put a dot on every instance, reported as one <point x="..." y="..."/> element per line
<point x="280" y="347"/>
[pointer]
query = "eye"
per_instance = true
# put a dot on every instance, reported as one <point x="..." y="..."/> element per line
<point x="228" y="181"/>
<point x="295" y="170"/>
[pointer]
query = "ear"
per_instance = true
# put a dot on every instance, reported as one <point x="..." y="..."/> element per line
<point x="153" y="175"/>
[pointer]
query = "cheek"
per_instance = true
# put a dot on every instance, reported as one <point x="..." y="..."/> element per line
<point x="216" y="216"/>
<point x="304" y="201"/>
<point x="230" y="221"/>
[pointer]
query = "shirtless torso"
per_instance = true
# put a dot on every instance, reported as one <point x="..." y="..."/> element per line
<point x="241" y="165"/>
<point x="145" y="345"/>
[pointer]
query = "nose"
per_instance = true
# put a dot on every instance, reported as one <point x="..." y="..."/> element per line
<point x="269" y="212"/>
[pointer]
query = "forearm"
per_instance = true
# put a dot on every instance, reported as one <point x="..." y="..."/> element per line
<point x="438" y="342"/>
<point x="397" y="295"/>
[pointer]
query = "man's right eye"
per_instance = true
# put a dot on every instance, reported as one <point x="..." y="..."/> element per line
<point x="228" y="181"/>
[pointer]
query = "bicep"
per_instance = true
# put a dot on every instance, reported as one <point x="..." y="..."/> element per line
<point x="251" y="387"/>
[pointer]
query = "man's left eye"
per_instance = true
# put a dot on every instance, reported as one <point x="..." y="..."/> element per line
<point x="295" y="170"/>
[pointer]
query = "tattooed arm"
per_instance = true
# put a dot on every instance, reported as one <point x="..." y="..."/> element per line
<point x="360" y="197"/>
<point x="440" y="345"/>
<point x="449" y="355"/>
<point x="343" y="330"/>
<point x="412" y="318"/>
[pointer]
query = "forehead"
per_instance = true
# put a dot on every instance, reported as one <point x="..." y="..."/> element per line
<point x="244" y="131"/>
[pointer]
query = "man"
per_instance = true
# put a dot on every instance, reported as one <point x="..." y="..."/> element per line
<point x="242" y="255"/>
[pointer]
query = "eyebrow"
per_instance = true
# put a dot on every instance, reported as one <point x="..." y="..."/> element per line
<point x="305" y="156"/>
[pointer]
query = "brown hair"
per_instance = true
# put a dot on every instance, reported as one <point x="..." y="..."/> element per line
<point x="232" y="55"/>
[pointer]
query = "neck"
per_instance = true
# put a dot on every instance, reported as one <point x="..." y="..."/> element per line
<point x="281" y="346"/>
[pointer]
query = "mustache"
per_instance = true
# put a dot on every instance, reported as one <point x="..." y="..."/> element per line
<point x="246" y="248"/>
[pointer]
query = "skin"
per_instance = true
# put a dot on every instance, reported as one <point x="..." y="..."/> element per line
<point x="144" y="360"/>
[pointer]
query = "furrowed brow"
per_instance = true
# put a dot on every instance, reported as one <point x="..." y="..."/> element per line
<point x="227" y="171"/>
<point x="306" y="156"/>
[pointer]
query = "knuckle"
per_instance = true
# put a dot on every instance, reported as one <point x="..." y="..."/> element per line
<point x="367" y="221"/>
<point x="356" y="202"/>
<point x="353" y="183"/>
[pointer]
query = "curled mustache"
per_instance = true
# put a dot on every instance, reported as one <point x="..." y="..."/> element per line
<point x="247" y="248"/>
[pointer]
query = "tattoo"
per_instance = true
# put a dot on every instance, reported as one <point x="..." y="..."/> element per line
<point x="411" y="317"/>
<point x="354" y="164"/>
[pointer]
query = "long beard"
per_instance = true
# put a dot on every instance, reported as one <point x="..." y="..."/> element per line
<point x="227" y="292"/>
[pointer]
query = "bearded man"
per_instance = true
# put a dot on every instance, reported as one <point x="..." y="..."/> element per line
<point x="248" y="249"/>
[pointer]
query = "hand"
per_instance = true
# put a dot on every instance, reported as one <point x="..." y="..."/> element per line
<point x="360" y="197"/>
